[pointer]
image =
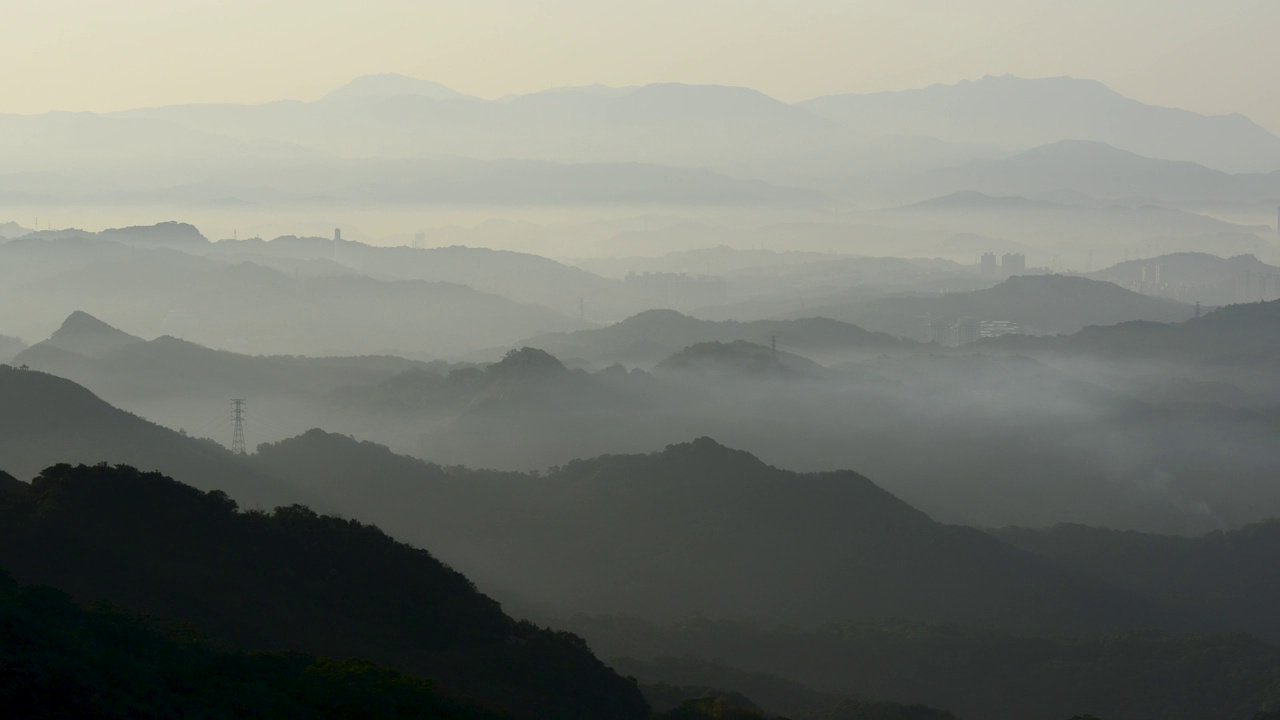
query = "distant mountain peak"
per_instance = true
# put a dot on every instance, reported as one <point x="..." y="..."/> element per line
<point x="528" y="360"/>
<point x="81" y="322"/>
<point x="87" y="335"/>
<point x="394" y="85"/>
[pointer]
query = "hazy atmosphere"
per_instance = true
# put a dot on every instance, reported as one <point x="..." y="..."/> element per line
<point x="652" y="361"/>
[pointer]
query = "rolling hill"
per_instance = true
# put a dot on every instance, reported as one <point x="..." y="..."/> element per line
<point x="654" y="335"/>
<point x="691" y="530"/>
<point x="48" y="420"/>
<point x="1104" y="172"/>
<point x="248" y="307"/>
<point x="1039" y="303"/>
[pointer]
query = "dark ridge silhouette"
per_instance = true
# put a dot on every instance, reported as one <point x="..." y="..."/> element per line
<point x="9" y="483"/>
<point x="651" y="336"/>
<point x="735" y="359"/>
<point x="692" y="529"/>
<point x="294" y="580"/>
<point x="1244" y="334"/>
<point x="165" y="233"/>
<point x="64" y="661"/>
<point x="171" y="365"/>
<point x="1040" y="303"/>
<point x="1229" y="578"/>
<point x="62" y="421"/>
<point x="974" y="672"/>
<point x="670" y="682"/>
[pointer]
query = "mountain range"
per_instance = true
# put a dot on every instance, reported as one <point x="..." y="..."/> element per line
<point x="1019" y="113"/>
<point x="664" y="143"/>
<point x="655" y="335"/>
<point x="234" y="303"/>
<point x="1040" y="304"/>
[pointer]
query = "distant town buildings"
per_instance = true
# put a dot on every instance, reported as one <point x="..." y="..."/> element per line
<point x="957" y="331"/>
<point x="1257" y="287"/>
<point x="968" y="330"/>
<point x="1009" y="264"/>
<point x="996" y="328"/>
<point x="669" y="289"/>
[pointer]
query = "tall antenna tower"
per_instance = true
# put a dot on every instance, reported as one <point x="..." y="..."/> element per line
<point x="237" y="422"/>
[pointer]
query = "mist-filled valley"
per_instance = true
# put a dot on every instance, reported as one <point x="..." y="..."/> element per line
<point x="642" y="399"/>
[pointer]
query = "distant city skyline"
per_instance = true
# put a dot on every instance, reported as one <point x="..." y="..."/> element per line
<point x="86" y="55"/>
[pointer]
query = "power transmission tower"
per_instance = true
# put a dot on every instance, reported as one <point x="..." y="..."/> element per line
<point x="237" y="421"/>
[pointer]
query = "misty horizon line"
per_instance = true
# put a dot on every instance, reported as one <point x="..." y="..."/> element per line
<point x="460" y="95"/>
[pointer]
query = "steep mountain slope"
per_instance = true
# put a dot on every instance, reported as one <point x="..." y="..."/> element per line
<point x="46" y="419"/>
<point x="1020" y="113"/>
<point x="694" y="530"/>
<point x="295" y="580"/>
<point x="84" y="335"/>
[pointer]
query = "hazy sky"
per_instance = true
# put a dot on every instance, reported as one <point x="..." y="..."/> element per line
<point x="1211" y="56"/>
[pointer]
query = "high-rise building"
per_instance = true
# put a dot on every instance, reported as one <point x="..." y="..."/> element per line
<point x="996" y="328"/>
<point x="968" y="330"/>
<point x="1013" y="263"/>
<point x="988" y="264"/>
<point x="337" y="238"/>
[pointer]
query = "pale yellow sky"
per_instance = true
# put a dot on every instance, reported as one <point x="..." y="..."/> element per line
<point x="1212" y="56"/>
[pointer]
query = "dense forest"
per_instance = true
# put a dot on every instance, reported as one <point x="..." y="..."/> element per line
<point x="59" y="660"/>
<point x="292" y="580"/>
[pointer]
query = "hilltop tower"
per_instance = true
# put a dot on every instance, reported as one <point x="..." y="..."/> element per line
<point x="337" y="238"/>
